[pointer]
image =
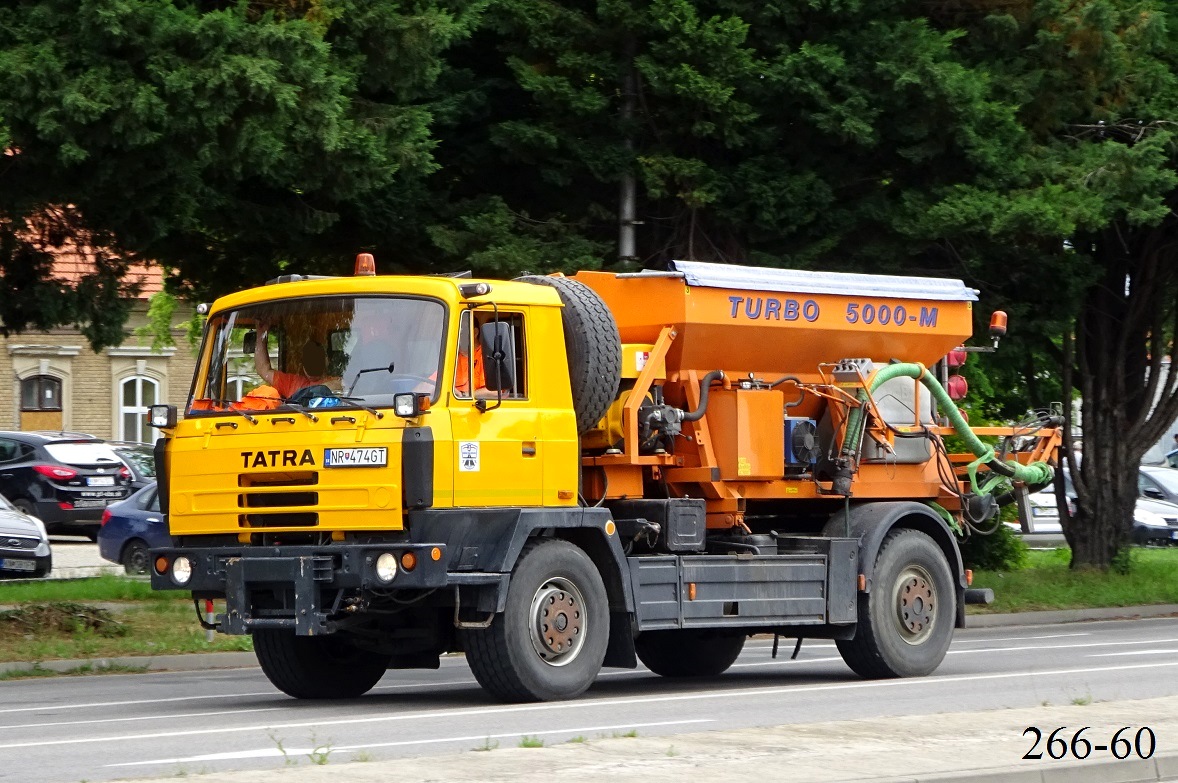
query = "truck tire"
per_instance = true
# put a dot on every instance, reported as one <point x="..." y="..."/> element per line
<point x="688" y="652"/>
<point x="550" y="640"/>
<point x="317" y="667"/>
<point x="906" y="621"/>
<point x="593" y="346"/>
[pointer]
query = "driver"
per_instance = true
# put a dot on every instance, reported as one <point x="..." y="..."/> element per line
<point x="287" y="384"/>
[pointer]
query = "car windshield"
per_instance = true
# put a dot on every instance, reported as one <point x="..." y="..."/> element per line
<point x="319" y="352"/>
<point x="142" y="460"/>
<point x="5" y="505"/>
<point x="1167" y="478"/>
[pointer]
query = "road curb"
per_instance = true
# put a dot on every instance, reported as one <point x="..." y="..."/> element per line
<point x="151" y="663"/>
<point x="1070" y="616"/>
<point x="1153" y="770"/>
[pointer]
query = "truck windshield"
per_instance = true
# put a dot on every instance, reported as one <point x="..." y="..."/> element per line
<point x="319" y="352"/>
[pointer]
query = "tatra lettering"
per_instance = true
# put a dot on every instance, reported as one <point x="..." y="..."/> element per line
<point x="288" y="458"/>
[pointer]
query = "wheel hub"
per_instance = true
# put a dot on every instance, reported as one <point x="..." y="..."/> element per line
<point x="916" y="602"/>
<point x="558" y="622"/>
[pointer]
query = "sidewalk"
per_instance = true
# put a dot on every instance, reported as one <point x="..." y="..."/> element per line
<point x="986" y="747"/>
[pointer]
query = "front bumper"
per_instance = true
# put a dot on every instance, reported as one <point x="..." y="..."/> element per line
<point x="301" y="588"/>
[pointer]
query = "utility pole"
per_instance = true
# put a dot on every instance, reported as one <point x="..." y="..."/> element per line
<point x="628" y="192"/>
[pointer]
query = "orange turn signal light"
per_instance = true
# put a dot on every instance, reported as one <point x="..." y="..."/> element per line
<point x="968" y="577"/>
<point x="408" y="561"/>
<point x="161" y="565"/>
<point x="435" y="554"/>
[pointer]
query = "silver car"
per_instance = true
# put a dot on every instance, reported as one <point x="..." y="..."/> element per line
<point x="24" y="544"/>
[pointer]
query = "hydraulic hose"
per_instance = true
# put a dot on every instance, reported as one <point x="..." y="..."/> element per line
<point x="1032" y="474"/>
<point x="698" y="413"/>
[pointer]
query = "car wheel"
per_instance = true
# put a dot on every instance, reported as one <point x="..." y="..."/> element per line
<point x="135" y="557"/>
<point x="25" y="506"/>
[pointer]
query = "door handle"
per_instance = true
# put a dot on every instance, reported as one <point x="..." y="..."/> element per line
<point x="5" y="475"/>
<point x="153" y="519"/>
<point x="529" y="449"/>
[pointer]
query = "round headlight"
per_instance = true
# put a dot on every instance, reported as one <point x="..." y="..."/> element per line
<point x="181" y="570"/>
<point x="386" y="567"/>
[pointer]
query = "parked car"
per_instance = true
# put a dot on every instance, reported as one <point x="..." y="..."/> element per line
<point x="65" y="479"/>
<point x="24" y="543"/>
<point x="1159" y="483"/>
<point x="140" y="458"/>
<point x="1154" y="521"/>
<point x="130" y="528"/>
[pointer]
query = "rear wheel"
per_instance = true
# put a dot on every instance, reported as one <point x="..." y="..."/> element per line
<point x="317" y="667"/>
<point x="906" y="621"/>
<point x="688" y="652"/>
<point x="550" y="641"/>
<point x="135" y="557"/>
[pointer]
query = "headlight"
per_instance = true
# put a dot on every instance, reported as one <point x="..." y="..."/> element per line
<point x="386" y="567"/>
<point x="162" y="415"/>
<point x="182" y="570"/>
<point x="1148" y="518"/>
<point x="405" y="405"/>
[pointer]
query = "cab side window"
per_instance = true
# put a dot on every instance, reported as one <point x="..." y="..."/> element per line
<point x="474" y="360"/>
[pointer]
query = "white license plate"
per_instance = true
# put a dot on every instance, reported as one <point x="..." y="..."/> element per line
<point x="1174" y="534"/>
<point x="100" y="481"/>
<point x="91" y="503"/>
<point x="8" y="564"/>
<point x="356" y="458"/>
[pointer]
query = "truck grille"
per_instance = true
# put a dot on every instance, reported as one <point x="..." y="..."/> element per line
<point x="279" y="506"/>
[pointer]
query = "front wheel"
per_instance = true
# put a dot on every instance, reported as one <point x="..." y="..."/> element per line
<point x="906" y="621"/>
<point x="317" y="667"/>
<point x="550" y="640"/>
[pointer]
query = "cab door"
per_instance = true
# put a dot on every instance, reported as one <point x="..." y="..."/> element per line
<point x="498" y="455"/>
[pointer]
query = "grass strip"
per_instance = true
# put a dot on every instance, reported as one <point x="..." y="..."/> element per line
<point x="109" y="587"/>
<point x="1048" y="583"/>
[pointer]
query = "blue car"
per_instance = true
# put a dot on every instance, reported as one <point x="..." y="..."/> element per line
<point x="130" y="528"/>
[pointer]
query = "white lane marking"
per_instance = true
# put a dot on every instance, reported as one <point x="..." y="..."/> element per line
<point x="1065" y="646"/>
<point x="172" y="699"/>
<point x="594" y="703"/>
<point x="1019" y="638"/>
<point x="271" y="752"/>
<point x="1135" y="652"/>
<point x="163" y="716"/>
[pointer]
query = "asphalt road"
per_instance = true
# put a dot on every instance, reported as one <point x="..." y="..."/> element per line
<point x="165" y="724"/>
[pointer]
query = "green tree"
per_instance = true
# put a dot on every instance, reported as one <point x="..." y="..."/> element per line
<point x="223" y="140"/>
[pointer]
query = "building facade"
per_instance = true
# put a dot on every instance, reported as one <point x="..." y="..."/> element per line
<point x="54" y="381"/>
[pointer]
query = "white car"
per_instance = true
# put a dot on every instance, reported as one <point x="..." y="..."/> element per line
<point x="24" y="544"/>
<point x="1154" y="521"/>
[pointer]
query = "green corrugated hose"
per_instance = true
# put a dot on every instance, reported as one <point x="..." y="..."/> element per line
<point x="1036" y="473"/>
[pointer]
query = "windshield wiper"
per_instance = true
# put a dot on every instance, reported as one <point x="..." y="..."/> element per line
<point x="358" y="402"/>
<point x="227" y="407"/>
<point x="355" y="380"/>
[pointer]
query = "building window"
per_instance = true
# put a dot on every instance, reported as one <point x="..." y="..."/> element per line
<point x="136" y="395"/>
<point x="40" y="393"/>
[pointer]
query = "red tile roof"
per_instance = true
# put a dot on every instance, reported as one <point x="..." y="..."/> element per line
<point x="70" y="266"/>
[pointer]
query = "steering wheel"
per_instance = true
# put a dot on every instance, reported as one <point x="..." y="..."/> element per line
<point x="308" y="393"/>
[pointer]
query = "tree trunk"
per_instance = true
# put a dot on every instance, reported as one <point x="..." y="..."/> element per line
<point x="1122" y="335"/>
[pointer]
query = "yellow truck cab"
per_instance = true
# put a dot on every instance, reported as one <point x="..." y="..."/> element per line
<point x="374" y="470"/>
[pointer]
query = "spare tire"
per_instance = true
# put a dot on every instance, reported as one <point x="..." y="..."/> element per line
<point x="593" y="346"/>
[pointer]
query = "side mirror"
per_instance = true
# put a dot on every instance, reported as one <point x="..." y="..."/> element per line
<point x="498" y="342"/>
<point x="249" y="342"/>
<point x="1151" y="492"/>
